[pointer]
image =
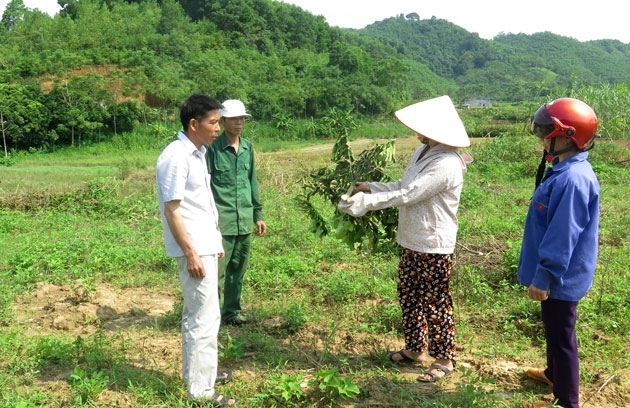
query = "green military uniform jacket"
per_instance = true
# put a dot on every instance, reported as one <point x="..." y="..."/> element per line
<point x="234" y="186"/>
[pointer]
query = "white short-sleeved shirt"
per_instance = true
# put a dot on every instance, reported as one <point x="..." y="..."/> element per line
<point x="181" y="174"/>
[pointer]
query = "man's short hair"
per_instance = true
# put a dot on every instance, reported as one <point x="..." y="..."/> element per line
<point x="197" y="107"/>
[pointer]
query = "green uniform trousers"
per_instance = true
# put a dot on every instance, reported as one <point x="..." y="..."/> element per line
<point x="231" y="271"/>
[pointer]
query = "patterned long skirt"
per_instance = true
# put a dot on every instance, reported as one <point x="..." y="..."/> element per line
<point x="427" y="306"/>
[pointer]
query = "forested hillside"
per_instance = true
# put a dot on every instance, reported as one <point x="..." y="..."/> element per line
<point x="511" y="67"/>
<point x="99" y="66"/>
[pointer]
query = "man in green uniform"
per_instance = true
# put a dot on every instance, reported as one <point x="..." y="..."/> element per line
<point x="235" y="188"/>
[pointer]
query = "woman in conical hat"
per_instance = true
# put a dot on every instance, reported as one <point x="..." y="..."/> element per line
<point x="427" y="196"/>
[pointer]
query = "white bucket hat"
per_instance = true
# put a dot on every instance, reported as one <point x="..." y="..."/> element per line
<point x="436" y="119"/>
<point x="233" y="108"/>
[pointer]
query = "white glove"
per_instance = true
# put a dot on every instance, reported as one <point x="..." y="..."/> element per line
<point x="352" y="205"/>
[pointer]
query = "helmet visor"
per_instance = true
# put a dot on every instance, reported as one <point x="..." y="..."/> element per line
<point x="542" y="123"/>
<point x="546" y="126"/>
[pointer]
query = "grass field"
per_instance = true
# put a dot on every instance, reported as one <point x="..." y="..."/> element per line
<point x="89" y="304"/>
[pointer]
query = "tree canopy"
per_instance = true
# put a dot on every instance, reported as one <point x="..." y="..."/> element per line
<point x="75" y="70"/>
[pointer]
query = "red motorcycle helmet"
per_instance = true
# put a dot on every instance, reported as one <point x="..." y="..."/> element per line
<point x="566" y="117"/>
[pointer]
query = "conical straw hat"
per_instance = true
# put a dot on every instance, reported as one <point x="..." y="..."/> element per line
<point x="436" y="119"/>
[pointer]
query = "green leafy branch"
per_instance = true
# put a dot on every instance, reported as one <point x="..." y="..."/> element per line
<point x="372" y="231"/>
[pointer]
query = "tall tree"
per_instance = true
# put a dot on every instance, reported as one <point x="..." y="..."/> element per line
<point x="13" y="13"/>
<point x="78" y="109"/>
<point x="24" y="116"/>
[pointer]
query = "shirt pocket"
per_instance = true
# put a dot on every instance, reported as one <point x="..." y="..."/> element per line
<point x="223" y="171"/>
<point x="243" y="166"/>
<point x="541" y="208"/>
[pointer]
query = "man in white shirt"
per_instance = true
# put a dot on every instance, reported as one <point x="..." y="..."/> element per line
<point x="192" y="237"/>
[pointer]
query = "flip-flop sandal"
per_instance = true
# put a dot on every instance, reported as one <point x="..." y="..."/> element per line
<point x="224" y="376"/>
<point x="217" y="400"/>
<point x="435" y="377"/>
<point x="220" y="400"/>
<point x="404" y="359"/>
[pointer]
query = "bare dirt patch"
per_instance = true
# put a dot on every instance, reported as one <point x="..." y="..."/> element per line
<point x="80" y="311"/>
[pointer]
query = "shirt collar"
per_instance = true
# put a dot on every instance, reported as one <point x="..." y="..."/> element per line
<point x="222" y="143"/>
<point x="579" y="157"/>
<point x="190" y="146"/>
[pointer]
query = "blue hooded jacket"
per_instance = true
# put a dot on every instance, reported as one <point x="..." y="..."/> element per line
<point x="559" y="250"/>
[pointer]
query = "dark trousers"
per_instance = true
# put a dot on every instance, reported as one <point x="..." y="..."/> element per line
<point x="563" y="367"/>
<point x="232" y="269"/>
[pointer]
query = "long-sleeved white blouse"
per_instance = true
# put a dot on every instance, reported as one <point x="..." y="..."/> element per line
<point x="427" y="196"/>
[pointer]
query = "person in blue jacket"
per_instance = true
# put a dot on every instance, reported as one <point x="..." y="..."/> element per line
<point x="560" y="240"/>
